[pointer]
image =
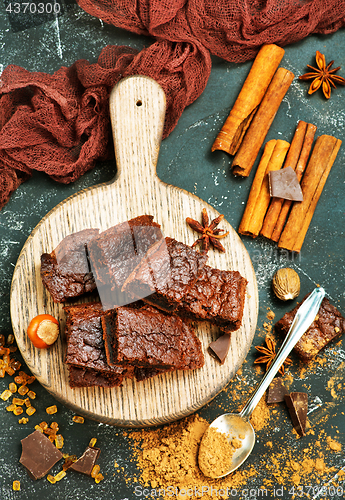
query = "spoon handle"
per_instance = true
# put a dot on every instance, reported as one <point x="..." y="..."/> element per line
<point x="303" y="319"/>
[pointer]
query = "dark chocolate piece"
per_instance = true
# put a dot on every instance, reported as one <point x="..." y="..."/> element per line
<point x="217" y="296"/>
<point x="297" y="403"/>
<point x="284" y="184"/>
<point x="219" y="348"/>
<point x="147" y="337"/>
<point x="86" y="462"/>
<point x="276" y="391"/>
<point x="65" y="272"/>
<point x="328" y="325"/>
<point x="39" y="454"/>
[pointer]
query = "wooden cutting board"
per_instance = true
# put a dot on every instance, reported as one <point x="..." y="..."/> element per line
<point x="137" y="107"/>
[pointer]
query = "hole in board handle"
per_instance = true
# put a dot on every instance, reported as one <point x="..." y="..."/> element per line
<point x="139" y="102"/>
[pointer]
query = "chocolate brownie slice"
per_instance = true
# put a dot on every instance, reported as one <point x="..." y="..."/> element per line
<point x="146" y="337"/>
<point x="143" y="373"/>
<point x="83" y="377"/>
<point x="217" y="296"/>
<point x="166" y="273"/>
<point x="65" y="272"/>
<point x="85" y="347"/>
<point x="116" y="252"/>
<point x="328" y="325"/>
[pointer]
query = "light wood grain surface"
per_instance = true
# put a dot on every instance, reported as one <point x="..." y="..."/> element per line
<point x="137" y="108"/>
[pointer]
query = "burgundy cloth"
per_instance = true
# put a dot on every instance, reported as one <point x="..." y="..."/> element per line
<point x="59" y="123"/>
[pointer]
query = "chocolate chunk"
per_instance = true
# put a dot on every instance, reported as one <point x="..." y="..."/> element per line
<point x="86" y="462"/>
<point x="276" y="391"/>
<point x="39" y="454"/>
<point x="297" y="403"/>
<point x="284" y="184"/>
<point x="219" y="348"/>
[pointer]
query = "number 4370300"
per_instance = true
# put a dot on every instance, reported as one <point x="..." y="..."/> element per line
<point x="33" y="8"/>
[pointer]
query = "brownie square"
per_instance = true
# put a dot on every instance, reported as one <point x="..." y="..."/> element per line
<point x="65" y="272"/>
<point x="166" y="273"/>
<point x="116" y="252"/>
<point x="144" y="373"/>
<point x="83" y="377"/>
<point x="85" y="347"/>
<point x="217" y="296"/>
<point x="328" y="325"/>
<point x="148" y="338"/>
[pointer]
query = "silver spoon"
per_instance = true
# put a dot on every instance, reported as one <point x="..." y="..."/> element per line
<point x="238" y="425"/>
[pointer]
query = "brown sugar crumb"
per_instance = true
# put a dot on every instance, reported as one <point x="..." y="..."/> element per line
<point x="12" y="387"/>
<point x="99" y="478"/>
<point x="95" y="471"/>
<point x="16" y="486"/>
<point x="51" y="409"/>
<point x="22" y="390"/>
<point x="270" y="315"/>
<point x="18" y="401"/>
<point x="30" y="410"/>
<point x="92" y="442"/>
<point x="236" y="443"/>
<point x="169" y="456"/>
<point x="78" y="419"/>
<point x="261" y="415"/>
<point x="215" y="453"/>
<point x="59" y="441"/>
<point x="267" y="327"/>
<point x="60" y="475"/>
<point x="6" y="395"/>
<point x="332" y="444"/>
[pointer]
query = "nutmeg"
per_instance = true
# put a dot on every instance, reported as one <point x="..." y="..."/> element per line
<point x="286" y="284"/>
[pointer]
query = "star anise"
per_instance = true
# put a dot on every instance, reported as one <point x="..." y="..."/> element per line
<point x="209" y="232"/>
<point x="269" y="353"/>
<point x="322" y="76"/>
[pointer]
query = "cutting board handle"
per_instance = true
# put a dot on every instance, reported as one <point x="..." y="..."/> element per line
<point x="137" y="112"/>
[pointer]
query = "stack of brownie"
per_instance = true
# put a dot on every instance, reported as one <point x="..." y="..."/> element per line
<point x="151" y="289"/>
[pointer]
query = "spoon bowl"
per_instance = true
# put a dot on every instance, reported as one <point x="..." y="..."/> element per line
<point x="237" y="426"/>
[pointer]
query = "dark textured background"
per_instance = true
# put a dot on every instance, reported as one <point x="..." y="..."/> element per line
<point x="45" y="44"/>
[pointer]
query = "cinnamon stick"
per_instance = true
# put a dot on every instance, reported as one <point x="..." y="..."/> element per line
<point x="296" y="158"/>
<point x="259" y="126"/>
<point x="259" y="196"/>
<point x="301" y="165"/>
<point x="249" y="98"/>
<point x="322" y="158"/>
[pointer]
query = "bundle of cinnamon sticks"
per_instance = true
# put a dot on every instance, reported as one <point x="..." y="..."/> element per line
<point x="282" y="220"/>
<point x="246" y="127"/>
